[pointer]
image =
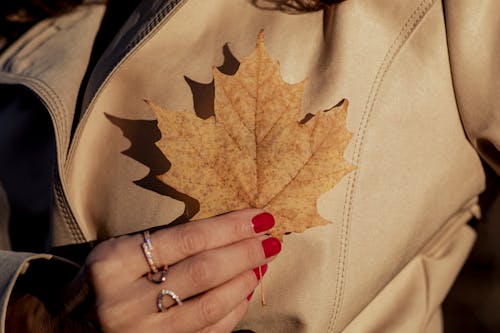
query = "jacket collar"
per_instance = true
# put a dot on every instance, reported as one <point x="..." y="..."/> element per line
<point x="148" y="17"/>
<point x="51" y="59"/>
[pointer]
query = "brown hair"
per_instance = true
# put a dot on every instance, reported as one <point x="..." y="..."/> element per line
<point x="25" y="11"/>
<point x="294" y="6"/>
<point x="18" y="16"/>
<point x="22" y="11"/>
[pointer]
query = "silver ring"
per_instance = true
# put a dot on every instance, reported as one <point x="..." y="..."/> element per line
<point x="147" y="248"/>
<point x="165" y="292"/>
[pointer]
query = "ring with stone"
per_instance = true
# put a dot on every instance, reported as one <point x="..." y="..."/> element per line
<point x="166" y="292"/>
<point x="147" y="248"/>
<point x="160" y="276"/>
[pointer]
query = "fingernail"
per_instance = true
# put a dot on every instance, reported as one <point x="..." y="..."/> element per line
<point x="271" y="246"/>
<point x="262" y="222"/>
<point x="263" y="269"/>
<point x="249" y="296"/>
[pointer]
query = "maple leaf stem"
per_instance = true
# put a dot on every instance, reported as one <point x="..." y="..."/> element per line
<point x="261" y="286"/>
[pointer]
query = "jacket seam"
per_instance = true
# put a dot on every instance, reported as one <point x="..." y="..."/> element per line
<point x="436" y="242"/>
<point x="406" y="31"/>
<point x="168" y="8"/>
<point x="47" y="96"/>
<point x="14" y="57"/>
<point x="68" y="217"/>
<point x="11" y="56"/>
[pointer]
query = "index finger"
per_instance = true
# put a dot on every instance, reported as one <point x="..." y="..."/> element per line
<point x="177" y="243"/>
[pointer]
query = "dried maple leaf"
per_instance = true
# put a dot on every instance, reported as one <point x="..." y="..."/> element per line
<point x="258" y="150"/>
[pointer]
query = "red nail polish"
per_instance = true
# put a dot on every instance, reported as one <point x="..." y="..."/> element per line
<point x="263" y="269"/>
<point x="249" y="296"/>
<point x="262" y="222"/>
<point x="271" y="246"/>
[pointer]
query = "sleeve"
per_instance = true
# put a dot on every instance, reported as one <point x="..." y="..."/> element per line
<point x="473" y="30"/>
<point x="36" y="279"/>
<point x="26" y="155"/>
<point x="12" y="266"/>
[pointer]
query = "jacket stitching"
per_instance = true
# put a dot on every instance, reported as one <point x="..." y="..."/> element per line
<point x="49" y="98"/>
<point x="165" y="12"/>
<point x="45" y="91"/>
<point x="406" y="31"/>
<point x="115" y="62"/>
<point x="17" y="53"/>
<point x="69" y="219"/>
<point x="52" y="103"/>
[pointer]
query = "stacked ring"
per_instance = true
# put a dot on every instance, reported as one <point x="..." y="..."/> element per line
<point x="157" y="274"/>
<point x="154" y="270"/>
<point x="165" y="292"/>
<point x="147" y="248"/>
<point x="162" y="272"/>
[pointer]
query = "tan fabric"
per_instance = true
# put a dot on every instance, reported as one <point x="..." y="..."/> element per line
<point x="398" y="234"/>
<point x="51" y="59"/>
<point x="402" y="111"/>
<point x="410" y="302"/>
<point x="473" y="30"/>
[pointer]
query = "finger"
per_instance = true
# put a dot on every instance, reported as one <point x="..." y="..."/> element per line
<point x="229" y="322"/>
<point x="128" y="310"/>
<point x="177" y="243"/>
<point x="209" y="269"/>
<point x="210" y="307"/>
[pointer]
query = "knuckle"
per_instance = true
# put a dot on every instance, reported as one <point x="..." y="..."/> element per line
<point x="199" y="273"/>
<point x="190" y="240"/>
<point x="102" y="262"/>
<point x="210" y="310"/>
<point x="107" y="251"/>
<point x="105" y="315"/>
<point x="253" y="252"/>
<point x="93" y="270"/>
<point x="98" y="254"/>
<point x="98" y="273"/>
<point x="240" y="229"/>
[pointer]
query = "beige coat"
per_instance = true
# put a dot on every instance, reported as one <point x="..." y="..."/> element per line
<point x="421" y="77"/>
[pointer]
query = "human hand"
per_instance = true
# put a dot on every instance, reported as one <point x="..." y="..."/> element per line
<point x="212" y="266"/>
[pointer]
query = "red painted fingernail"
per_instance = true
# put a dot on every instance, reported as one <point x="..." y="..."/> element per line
<point x="249" y="296"/>
<point x="262" y="222"/>
<point x="271" y="246"/>
<point x="263" y="269"/>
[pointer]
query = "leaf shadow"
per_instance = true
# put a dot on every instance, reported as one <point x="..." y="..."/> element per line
<point x="204" y="93"/>
<point x="143" y="135"/>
